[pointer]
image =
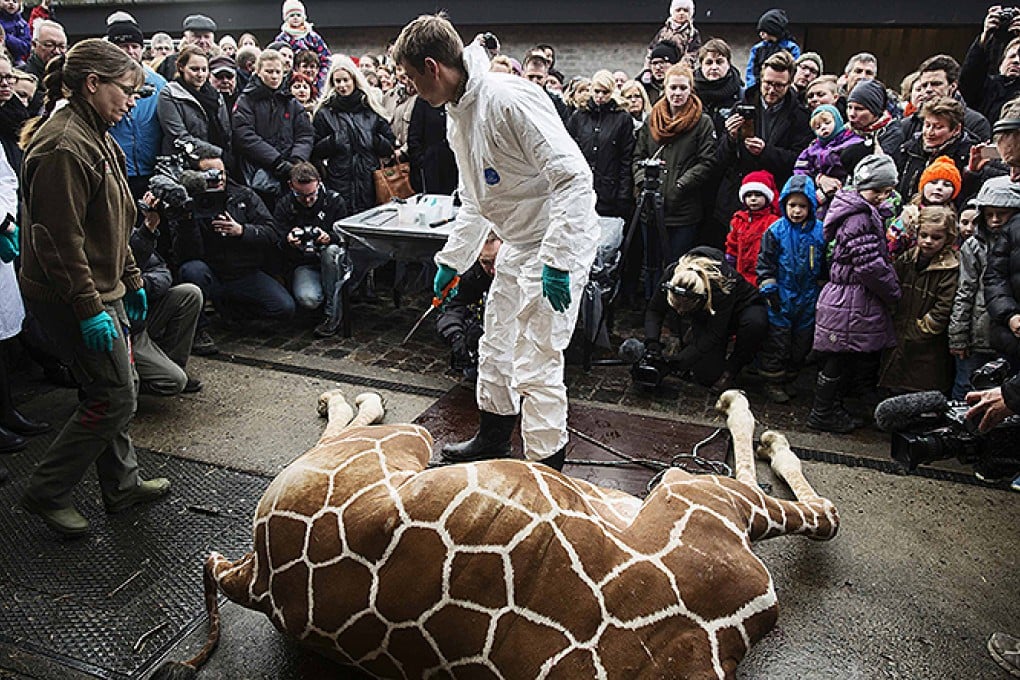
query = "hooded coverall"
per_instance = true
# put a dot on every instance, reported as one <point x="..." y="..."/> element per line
<point x="523" y="177"/>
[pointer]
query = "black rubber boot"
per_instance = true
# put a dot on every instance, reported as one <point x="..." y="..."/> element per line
<point x="826" y="413"/>
<point x="556" y="460"/>
<point x="491" y="441"/>
<point x="11" y="419"/>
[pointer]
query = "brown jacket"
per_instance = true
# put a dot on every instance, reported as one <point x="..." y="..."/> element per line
<point x="79" y="213"/>
<point x="921" y="359"/>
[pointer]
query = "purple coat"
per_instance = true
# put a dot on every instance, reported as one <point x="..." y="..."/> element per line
<point x="853" y="308"/>
<point x="823" y="159"/>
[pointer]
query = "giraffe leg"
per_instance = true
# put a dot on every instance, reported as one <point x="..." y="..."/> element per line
<point x="337" y="411"/>
<point x="370" y="409"/>
<point x="740" y="422"/>
<point x="776" y="449"/>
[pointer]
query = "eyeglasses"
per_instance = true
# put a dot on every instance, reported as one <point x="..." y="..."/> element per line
<point x="633" y="96"/>
<point x="53" y="44"/>
<point x="224" y="75"/>
<point x="9" y="78"/>
<point x="128" y="90"/>
<point x="311" y="194"/>
<point x="772" y="85"/>
<point x="658" y="62"/>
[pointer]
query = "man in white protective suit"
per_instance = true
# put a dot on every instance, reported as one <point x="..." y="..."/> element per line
<point x="523" y="177"/>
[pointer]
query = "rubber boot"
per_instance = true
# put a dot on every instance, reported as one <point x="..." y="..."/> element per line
<point x="826" y="413"/>
<point x="556" y="460"/>
<point x="491" y="441"/>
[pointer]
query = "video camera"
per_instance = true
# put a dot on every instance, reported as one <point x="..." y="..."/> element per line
<point x="653" y="173"/>
<point x="927" y="427"/>
<point x="1006" y="16"/>
<point x="182" y="190"/>
<point x="648" y="368"/>
<point x="309" y="238"/>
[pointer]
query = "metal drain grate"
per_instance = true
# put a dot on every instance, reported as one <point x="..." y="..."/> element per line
<point x="112" y="603"/>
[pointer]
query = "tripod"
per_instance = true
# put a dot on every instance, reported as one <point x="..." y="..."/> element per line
<point x="650" y="218"/>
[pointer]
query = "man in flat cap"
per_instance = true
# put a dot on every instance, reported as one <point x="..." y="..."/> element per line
<point x="199" y="30"/>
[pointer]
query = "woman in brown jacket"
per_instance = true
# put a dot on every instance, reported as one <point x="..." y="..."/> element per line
<point x="80" y="280"/>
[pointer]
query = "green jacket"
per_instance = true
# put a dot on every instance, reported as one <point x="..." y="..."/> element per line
<point x="79" y="214"/>
<point x="689" y="160"/>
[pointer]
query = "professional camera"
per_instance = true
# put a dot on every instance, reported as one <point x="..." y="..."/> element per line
<point x="648" y="368"/>
<point x="490" y="42"/>
<point x="653" y="172"/>
<point x="308" y="236"/>
<point x="927" y="427"/>
<point x="1006" y="16"/>
<point x="167" y="183"/>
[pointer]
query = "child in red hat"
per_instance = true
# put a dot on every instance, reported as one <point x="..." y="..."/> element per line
<point x="758" y="195"/>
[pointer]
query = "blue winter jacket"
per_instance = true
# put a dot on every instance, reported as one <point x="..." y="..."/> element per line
<point x="139" y="134"/>
<point x="761" y="51"/>
<point x="792" y="261"/>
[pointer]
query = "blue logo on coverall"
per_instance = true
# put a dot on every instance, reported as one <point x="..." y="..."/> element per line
<point x="491" y="176"/>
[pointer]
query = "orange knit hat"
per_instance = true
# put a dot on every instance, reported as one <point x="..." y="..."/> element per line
<point x="942" y="168"/>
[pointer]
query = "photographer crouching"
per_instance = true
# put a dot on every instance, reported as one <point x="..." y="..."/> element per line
<point x="304" y="220"/>
<point x="703" y="291"/>
<point x="226" y="243"/>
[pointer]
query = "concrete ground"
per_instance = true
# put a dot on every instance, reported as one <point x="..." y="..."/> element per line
<point x="921" y="573"/>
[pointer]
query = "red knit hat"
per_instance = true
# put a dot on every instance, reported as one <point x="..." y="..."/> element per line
<point x="942" y="167"/>
<point x="761" y="181"/>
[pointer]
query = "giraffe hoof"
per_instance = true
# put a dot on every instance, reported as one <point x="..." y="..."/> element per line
<point x="322" y="407"/>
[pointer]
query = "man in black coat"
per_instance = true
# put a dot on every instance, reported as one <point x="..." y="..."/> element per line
<point x="781" y="132"/>
<point x="433" y="166"/>
<point x="984" y="90"/>
<point x="226" y="254"/>
<point x="320" y="260"/>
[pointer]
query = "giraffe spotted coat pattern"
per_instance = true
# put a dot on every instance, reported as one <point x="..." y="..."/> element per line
<point x="508" y="569"/>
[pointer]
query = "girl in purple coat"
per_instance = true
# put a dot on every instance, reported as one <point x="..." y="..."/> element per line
<point x="853" y="314"/>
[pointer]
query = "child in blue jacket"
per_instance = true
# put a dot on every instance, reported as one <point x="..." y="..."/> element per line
<point x="791" y="270"/>
<point x="772" y="29"/>
<point x="18" y="37"/>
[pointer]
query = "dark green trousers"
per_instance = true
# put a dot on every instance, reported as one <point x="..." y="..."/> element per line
<point x="97" y="431"/>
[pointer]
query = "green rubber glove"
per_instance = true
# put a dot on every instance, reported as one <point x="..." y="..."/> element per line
<point x="442" y="280"/>
<point x="10" y="246"/>
<point x="98" y="332"/>
<point x="136" y="304"/>
<point x="556" y="287"/>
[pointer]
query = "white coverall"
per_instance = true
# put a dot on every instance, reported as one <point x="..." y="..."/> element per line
<point x="522" y="176"/>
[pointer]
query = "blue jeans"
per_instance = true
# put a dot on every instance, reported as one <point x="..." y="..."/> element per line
<point x="964" y="367"/>
<point x="314" y="285"/>
<point x="255" y="295"/>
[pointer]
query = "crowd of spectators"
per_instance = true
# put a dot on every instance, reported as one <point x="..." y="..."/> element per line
<point x="772" y="163"/>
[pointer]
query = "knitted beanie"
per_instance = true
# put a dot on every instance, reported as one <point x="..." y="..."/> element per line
<point x="774" y="22"/>
<point x="871" y="95"/>
<point x="942" y="167"/>
<point x="875" y="172"/>
<point x="813" y="57"/>
<point x="761" y="181"/>
<point x="665" y="50"/>
<point x="290" y="6"/>
<point x="837" y="118"/>
<point x="123" y="32"/>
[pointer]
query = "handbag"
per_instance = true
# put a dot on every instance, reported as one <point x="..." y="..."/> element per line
<point x="392" y="181"/>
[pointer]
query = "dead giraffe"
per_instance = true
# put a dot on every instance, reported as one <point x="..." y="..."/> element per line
<point x="507" y="569"/>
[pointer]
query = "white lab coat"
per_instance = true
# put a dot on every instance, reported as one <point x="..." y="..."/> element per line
<point x="12" y="309"/>
<point x="522" y="176"/>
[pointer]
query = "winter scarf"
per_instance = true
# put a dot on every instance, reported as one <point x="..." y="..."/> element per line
<point x="665" y="128"/>
<point x="717" y="92"/>
<point x="348" y="103"/>
<point x="883" y="120"/>
<point x="297" y="33"/>
<point x="209" y="99"/>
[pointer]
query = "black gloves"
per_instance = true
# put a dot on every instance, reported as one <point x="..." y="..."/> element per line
<point x="281" y="169"/>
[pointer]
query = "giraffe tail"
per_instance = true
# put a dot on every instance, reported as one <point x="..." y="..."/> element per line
<point x="188" y="670"/>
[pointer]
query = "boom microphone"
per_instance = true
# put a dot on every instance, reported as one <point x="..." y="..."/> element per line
<point x="907" y="410"/>
<point x="193" y="182"/>
<point x="631" y="350"/>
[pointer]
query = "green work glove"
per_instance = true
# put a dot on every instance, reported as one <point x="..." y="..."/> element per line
<point x="556" y="287"/>
<point x="98" y="332"/>
<point x="9" y="245"/>
<point x="136" y="304"/>
<point x="442" y="280"/>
